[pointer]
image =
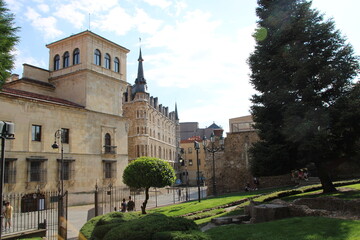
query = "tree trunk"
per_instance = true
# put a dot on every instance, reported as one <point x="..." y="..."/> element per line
<point x="143" y="207"/>
<point x="324" y="177"/>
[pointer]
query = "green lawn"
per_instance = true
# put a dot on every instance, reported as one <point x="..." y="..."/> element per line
<point x="353" y="193"/>
<point x="306" y="228"/>
<point x="208" y="203"/>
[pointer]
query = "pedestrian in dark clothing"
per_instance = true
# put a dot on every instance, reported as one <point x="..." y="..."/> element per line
<point x="130" y="205"/>
<point x="123" y="205"/>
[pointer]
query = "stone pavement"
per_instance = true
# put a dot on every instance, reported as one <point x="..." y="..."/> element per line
<point x="78" y="215"/>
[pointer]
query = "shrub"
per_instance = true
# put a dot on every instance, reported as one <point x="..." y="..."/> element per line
<point x="88" y="228"/>
<point x="146" y="227"/>
<point x="97" y="227"/>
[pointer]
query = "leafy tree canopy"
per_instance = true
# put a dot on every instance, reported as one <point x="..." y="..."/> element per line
<point x="8" y="40"/>
<point x="146" y="172"/>
<point x="303" y="70"/>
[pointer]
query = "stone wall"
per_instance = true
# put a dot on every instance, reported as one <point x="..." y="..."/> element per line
<point x="275" y="181"/>
<point x="232" y="166"/>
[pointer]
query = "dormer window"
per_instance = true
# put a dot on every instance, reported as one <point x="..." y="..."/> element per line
<point x="76" y="56"/>
<point x="116" y="65"/>
<point x="66" y="59"/>
<point x="107" y="61"/>
<point x="97" y="57"/>
<point x="56" y="62"/>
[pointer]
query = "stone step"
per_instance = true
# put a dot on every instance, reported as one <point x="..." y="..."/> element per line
<point x="230" y="219"/>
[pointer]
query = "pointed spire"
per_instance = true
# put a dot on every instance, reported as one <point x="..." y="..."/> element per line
<point x="140" y="76"/>
<point x="176" y="113"/>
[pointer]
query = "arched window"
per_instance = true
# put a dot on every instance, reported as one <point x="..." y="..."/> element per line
<point x="116" y="65"/>
<point x="107" y="143"/>
<point x="97" y="57"/>
<point x="76" y="56"/>
<point x="107" y="61"/>
<point x="56" y="62"/>
<point x="66" y="59"/>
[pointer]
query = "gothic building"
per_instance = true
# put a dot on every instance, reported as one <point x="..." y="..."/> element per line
<point x="153" y="129"/>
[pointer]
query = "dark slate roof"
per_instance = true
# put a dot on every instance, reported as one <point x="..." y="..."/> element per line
<point x="38" y="97"/>
<point x="176" y="113"/>
<point x="140" y="82"/>
<point x="214" y="126"/>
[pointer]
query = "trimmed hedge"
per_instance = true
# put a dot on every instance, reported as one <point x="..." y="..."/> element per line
<point x="144" y="228"/>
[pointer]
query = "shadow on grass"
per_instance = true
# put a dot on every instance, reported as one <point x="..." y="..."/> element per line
<point x="347" y="195"/>
<point x="314" y="228"/>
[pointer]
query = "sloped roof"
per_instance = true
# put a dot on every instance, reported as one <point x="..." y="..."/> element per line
<point x="38" y="97"/>
<point x="214" y="126"/>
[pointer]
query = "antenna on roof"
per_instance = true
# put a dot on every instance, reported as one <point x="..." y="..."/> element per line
<point x="89" y="21"/>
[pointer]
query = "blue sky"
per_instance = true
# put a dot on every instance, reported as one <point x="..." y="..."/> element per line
<point x="194" y="51"/>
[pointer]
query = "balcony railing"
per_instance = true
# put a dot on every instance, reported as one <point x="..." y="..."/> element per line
<point x="110" y="149"/>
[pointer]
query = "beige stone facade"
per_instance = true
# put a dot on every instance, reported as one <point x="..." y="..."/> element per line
<point x="240" y="124"/>
<point x="81" y="94"/>
<point x="188" y="170"/>
<point x="153" y="129"/>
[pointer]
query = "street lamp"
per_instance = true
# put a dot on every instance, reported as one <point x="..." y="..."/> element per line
<point x="62" y="230"/>
<point x="213" y="147"/>
<point x="7" y="131"/>
<point x="55" y="145"/>
<point x="197" y="148"/>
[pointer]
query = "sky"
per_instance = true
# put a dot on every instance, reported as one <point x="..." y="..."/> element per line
<point x="194" y="51"/>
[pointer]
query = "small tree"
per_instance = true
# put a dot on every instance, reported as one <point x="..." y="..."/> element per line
<point x="147" y="172"/>
<point x="8" y="39"/>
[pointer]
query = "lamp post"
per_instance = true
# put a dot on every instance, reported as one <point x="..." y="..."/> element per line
<point x="59" y="138"/>
<point x="214" y="147"/>
<point x="183" y="163"/>
<point x="197" y="148"/>
<point x="62" y="230"/>
<point x="7" y="131"/>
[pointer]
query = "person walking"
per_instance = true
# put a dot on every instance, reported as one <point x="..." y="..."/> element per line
<point x="8" y="212"/>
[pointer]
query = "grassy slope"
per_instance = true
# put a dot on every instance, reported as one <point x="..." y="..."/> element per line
<point x="309" y="228"/>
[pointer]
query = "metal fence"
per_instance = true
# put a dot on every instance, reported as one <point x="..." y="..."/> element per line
<point x="109" y="198"/>
<point x="39" y="210"/>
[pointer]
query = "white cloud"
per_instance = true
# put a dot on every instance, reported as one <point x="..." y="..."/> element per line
<point x="20" y="59"/>
<point x="119" y="21"/>
<point x="13" y="5"/>
<point x="44" y="8"/>
<point x="47" y="25"/>
<point x="159" y="3"/>
<point x="145" y="23"/>
<point x="72" y="14"/>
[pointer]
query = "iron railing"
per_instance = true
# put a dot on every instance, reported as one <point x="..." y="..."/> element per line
<point x="31" y="211"/>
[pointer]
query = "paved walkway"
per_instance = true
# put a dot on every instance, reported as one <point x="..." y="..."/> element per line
<point x="78" y="215"/>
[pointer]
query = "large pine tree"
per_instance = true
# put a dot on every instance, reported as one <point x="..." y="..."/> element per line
<point x="8" y="40"/>
<point x="303" y="70"/>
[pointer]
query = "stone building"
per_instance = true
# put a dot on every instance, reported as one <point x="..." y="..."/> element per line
<point x="191" y="129"/>
<point x="153" y="129"/>
<point x="80" y="94"/>
<point x="232" y="166"/>
<point x="188" y="168"/>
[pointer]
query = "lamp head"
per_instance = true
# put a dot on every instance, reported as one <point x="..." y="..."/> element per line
<point x="55" y="145"/>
